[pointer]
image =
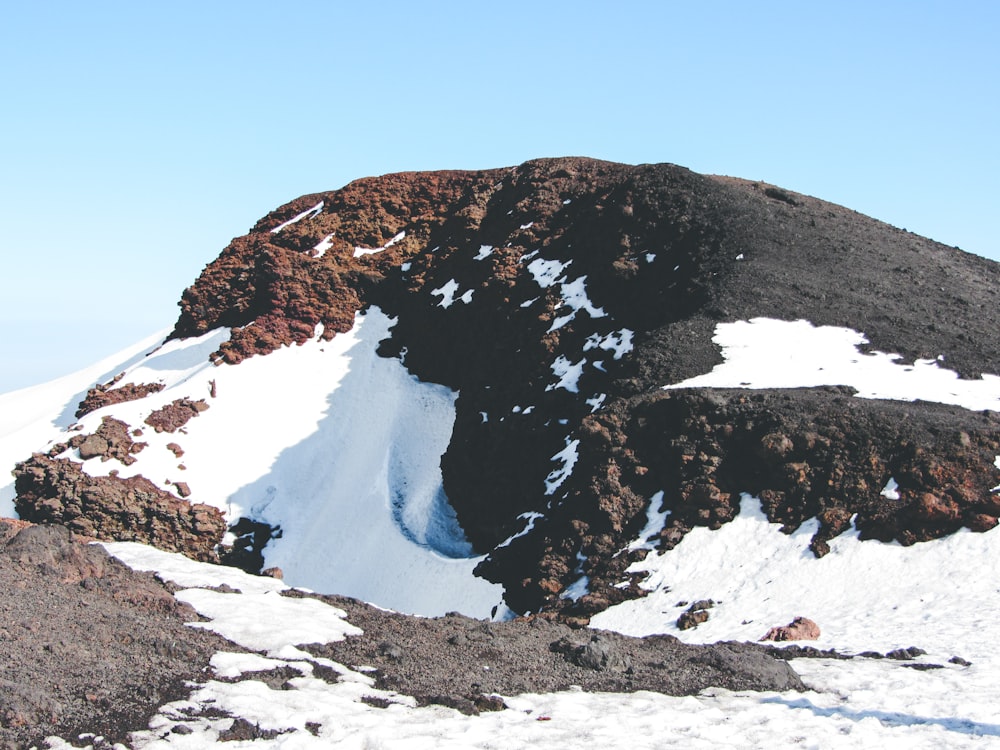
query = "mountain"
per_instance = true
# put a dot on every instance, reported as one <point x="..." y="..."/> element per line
<point x="517" y="391"/>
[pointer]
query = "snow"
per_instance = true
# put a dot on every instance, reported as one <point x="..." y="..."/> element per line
<point x="650" y="257"/>
<point x="530" y="517"/>
<point x="596" y="402"/>
<point x="484" y="252"/>
<point x="546" y="272"/>
<point x="307" y="214"/>
<point x="343" y="455"/>
<point x="359" y="251"/>
<point x="938" y="595"/>
<point x="618" y="342"/>
<point x="568" y="374"/>
<point x="568" y="457"/>
<point x="289" y="621"/>
<point x="865" y="596"/>
<point x="34" y="416"/>
<point x="574" y="296"/>
<point x="655" y="521"/>
<point x="447" y="293"/>
<point x="323" y="245"/>
<point x="891" y="489"/>
<point x="767" y="353"/>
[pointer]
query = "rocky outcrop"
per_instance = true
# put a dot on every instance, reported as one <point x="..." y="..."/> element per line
<point x="111" y="440"/>
<point x="57" y="491"/>
<point x="106" y="394"/>
<point x="176" y="414"/>
<point x="560" y="296"/>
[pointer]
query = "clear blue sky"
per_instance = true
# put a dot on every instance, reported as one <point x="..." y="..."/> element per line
<point x="138" y="138"/>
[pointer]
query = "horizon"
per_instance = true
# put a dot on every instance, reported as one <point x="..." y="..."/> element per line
<point x="143" y="139"/>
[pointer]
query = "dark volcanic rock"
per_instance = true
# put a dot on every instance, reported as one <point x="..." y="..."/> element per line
<point x="86" y="644"/>
<point x="457" y="661"/>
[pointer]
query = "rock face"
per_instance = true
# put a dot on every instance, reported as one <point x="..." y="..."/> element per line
<point x="560" y="296"/>
<point x="57" y="491"/>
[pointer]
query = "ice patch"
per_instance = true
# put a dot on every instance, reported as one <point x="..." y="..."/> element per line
<point x="596" y="402"/>
<point x="484" y="252"/>
<point x="308" y="214"/>
<point x="650" y="257"/>
<point x="766" y="353"/>
<point x="568" y="457"/>
<point x="529" y="225"/>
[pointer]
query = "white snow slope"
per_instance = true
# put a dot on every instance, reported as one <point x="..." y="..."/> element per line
<point x="293" y="461"/>
<point x="339" y="447"/>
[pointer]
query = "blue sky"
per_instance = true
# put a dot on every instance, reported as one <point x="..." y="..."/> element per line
<point x="138" y="138"/>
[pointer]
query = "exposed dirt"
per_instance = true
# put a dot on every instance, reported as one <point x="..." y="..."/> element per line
<point x="461" y="662"/>
<point x="86" y="644"/>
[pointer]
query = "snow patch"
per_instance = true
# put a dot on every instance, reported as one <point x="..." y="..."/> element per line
<point x="568" y="374"/>
<point x="447" y="294"/>
<point x="891" y="490"/>
<point x="484" y="252"/>
<point x="567" y="457"/>
<point x="322" y="246"/>
<point x="618" y="342"/>
<point x="307" y="214"/>
<point x="767" y="353"/>
<point x="546" y="272"/>
<point x="359" y="251"/>
<point x="574" y="296"/>
<point x="655" y="521"/>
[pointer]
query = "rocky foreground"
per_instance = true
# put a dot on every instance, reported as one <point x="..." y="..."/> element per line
<point x="91" y="647"/>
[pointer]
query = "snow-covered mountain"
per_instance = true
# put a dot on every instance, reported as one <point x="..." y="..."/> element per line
<point x="578" y="389"/>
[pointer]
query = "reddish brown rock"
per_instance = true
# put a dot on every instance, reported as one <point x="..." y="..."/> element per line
<point x="112" y="440"/>
<point x="176" y="414"/>
<point x="799" y="629"/>
<point x="110" y="508"/>
<point x="106" y="394"/>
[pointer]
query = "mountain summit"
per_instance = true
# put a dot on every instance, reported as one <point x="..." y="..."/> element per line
<point x="498" y="390"/>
